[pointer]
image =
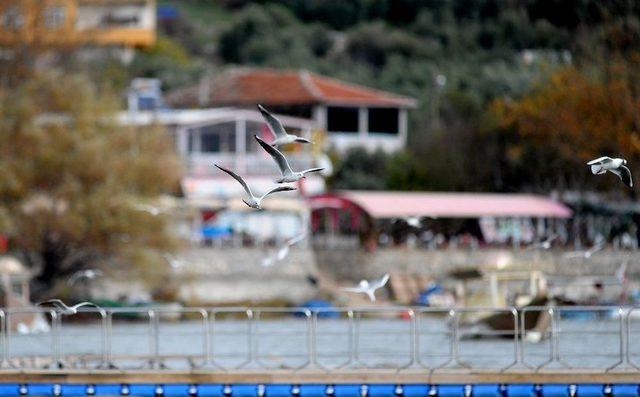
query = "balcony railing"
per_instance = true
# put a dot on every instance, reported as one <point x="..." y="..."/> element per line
<point x="250" y="164"/>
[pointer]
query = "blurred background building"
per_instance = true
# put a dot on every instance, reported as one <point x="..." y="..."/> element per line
<point x="453" y="137"/>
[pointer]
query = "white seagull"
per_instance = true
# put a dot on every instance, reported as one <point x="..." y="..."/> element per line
<point x="89" y="274"/>
<point x="282" y="138"/>
<point x="369" y="288"/>
<point x="253" y="201"/>
<point x="150" y="209"/>
<point x="282" y="251"/>
<point x="585" y="254"/>
<point x="617" y="166"/>
<point x="62" y="308"/>
<point x="174" y="262"/>
<point x="288" y="175"/>
<point x="545" y="244"/>
<point x="621" y="273"/>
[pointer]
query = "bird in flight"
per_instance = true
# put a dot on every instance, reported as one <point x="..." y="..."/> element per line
<point x="616" y="166"/>
<point x="254" y="201"/>
<point x="174" y="262"/>
<point x="150" y="209"/>
<point x="369" y="287"/>
<point x="546" y="243"/>
<point x="62" y="308"/>
<point x="288" y="175"/>
<point x="585" y="254"/>
<point x="281" y="135"/>
<point x="89" y="274"/>
<point x="281" y="252"/>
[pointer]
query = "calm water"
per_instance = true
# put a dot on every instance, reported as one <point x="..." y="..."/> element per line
<point x="285" y="343"/>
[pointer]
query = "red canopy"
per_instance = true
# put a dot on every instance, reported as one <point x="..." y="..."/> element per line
<point x="387" y="204"/>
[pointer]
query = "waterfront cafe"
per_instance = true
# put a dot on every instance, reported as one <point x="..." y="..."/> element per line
<point x="434" y="219"/>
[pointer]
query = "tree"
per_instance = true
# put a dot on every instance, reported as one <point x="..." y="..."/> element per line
<point x="572" y="118"/>
<point x="71" y="177"/>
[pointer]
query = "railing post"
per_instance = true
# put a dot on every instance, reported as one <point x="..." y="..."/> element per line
<point x="55" y="334"/>
<point x="3" y="330"/>
<point x="153" y="339"/>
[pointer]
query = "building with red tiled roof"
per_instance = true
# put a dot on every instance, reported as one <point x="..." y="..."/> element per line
<point x="351" y="114"/>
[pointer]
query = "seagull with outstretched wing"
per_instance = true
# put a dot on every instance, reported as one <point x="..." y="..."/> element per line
<point x="585" y="254"/>
<point x="369" y="287"/>
<point x="546" y="243"/>
<point x="282" y="251"/>
<point x="616" y="166"/>
<point x="89" y="274"/>
<point x="288" y="175"/>
<point x="62" y="308"/>
<point x="254" y="201"/>
<point x="281" y="135"/>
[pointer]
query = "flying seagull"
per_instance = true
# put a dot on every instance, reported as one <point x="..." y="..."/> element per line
<point x="150" y="209"/>
<point x="617" y="166"/>
<point x="253" y="201"/>
<point x="62" y="308"/>
<point x="585" y="254"/>
<point x="288" y="175"/>
<point x="282" y="138"/>
<point x="282" y="251"/>
<point x="546" y="243"/>
<point x="174" y="262"/>
<point x="89" y="274"/>
<point x="369" y="288"/>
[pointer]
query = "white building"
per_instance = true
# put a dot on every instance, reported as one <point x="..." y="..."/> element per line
<point x="352" y="115"/>
<point x="225" y="136"/>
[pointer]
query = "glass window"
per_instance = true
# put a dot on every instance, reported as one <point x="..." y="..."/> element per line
<point x="209" y="142"/>
<point x="259" y="129"/>
<point x="383" y="120"/>
<point x="342" y="119"/>
<point x="191" y="145"/>
<point x="54" y="17"/>
<point x="12" y="19"/>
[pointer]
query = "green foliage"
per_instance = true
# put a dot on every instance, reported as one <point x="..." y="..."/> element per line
<point x="361" y="170"/>
<point x="168" y="61"/>
<point x="72" y="174"/>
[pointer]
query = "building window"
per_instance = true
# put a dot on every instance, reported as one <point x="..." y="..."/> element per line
<point x="383" y="120"/>
<point x="342" y="119"/>
<point x="54" y="17"/>
<point x="209" y="142"/>
<point x="12" y="19"/>
<point x="129" y="17"/>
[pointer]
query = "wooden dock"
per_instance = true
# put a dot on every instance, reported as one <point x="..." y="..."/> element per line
<point x="317" y="377"/>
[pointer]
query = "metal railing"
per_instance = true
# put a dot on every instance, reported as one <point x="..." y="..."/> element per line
<point x="533" y="339"/>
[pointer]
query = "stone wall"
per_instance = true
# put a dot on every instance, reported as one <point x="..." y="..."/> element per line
<point x="354" y="264"/>
<point x="235" y="275"/>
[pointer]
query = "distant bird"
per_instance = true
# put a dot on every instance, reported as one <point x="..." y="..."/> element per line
<point x="617" y="166"/>
<point x="150" y="209"/>
<point x="369" y="288"/>
<point x="288" y="175"/>
<point x="621" y="273"/>
<point x="174" y="262"/>
<point x="62" y="308"/>
<point x="313" y="280"/>
<point x="282" y="138"/>
<point x="282" y="251"/>
<point x="253" y="201"/>
<point x="89" y="274"/>
<point x="545" y="244"/>
<point x="585" y="254"/>
<point x="413" y="221"/>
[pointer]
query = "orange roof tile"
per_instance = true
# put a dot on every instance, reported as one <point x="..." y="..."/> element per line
<point x="271" y="87"/>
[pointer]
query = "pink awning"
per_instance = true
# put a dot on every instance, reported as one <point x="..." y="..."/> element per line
<point x="453" y="205"/>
